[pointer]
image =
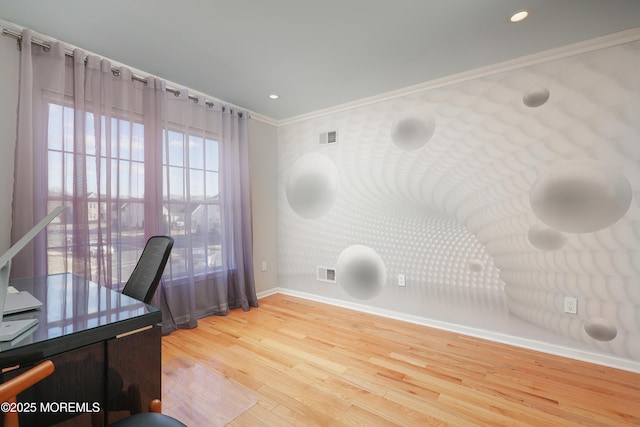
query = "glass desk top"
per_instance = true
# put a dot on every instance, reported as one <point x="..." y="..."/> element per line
<point x="75" y="312"/>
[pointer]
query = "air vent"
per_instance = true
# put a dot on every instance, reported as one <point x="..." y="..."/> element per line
<point x="326" y="274"/>
<point x="328" y="138"/>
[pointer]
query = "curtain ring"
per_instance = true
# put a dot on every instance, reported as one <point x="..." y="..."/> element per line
<point x="116" y="72"/>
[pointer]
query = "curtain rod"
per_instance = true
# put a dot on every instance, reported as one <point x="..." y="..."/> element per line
<point x="114" y="70"/>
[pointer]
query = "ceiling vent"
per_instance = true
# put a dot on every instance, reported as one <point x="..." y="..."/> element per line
<point x="326" y="274"/>
<point x="329" y="138"/>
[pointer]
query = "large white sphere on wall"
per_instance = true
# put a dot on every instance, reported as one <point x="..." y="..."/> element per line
<point x="312" y="186"/>
<point x="581" y="196"/>
<point x="413" y="130"/>
<point x="600" y="329"/>
<point x="361" y="271"/>
<point x="546" y="238"/>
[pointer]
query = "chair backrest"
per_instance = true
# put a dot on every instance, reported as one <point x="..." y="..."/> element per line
<point x="145" y="277"/>
<point x="11" y="388"/>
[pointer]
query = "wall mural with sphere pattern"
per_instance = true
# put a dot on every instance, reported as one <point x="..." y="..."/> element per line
<point x="494" y="197"/>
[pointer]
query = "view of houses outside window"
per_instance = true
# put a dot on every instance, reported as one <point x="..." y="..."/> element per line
<point x="115" y="188"/>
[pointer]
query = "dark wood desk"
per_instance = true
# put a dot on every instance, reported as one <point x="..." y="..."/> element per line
<point x="105" y="346"/>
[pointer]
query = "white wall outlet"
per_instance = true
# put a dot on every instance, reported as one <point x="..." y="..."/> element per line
<point x="264" y="266"/>
<point x="571" y="305"/>
<point x="402" y="280"/>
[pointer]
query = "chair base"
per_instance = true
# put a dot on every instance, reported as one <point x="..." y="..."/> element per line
<point x="148" y="419"/>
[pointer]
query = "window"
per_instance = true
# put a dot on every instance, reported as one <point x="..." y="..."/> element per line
<point x="191" y="200"/>
<point x="115" y="178"/>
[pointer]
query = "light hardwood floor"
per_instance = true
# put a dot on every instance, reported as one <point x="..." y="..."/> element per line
<point x="315" y="364"/>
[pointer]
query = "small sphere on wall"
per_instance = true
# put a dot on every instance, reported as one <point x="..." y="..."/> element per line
<point x="535" y="97"/>
<point x="600" y="329"/>
<point x="312" y="185"/>
<point x="546" y="238"/>
<point x="361" y="271"/>
<point x="413" y="130"/>
<point x="581" y="196"/>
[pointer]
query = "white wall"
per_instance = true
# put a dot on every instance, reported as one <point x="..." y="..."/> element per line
<point x="263" y="140"/>
<point x="9" y="68"/>
<point x="458" y="211"/>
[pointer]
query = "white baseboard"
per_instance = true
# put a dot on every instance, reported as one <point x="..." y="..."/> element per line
<point x="269" y="292"/>
<point x="557" y="350"/>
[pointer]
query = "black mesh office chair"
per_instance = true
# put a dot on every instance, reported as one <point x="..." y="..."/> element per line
<point x="142" y="286"/>
<point x="144" y="280"/>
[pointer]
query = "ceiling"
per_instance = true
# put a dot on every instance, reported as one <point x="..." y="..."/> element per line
<point x="315" y="54"/>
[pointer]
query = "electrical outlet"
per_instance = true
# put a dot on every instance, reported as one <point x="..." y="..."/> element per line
<point x="571" y="305"/>
<point x="264" y="266"/>
<point x="402" y="280"/>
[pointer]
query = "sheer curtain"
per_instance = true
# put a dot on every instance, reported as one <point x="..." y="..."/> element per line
<point x="207" y="192"/>
<point x="130" y="160"/>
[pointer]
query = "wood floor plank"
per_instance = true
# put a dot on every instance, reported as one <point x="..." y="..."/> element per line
<point x="311" y="364"/>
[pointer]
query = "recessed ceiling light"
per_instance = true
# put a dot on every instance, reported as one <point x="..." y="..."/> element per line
<point x="519" y="16"/>
<point x="273" y="96"/>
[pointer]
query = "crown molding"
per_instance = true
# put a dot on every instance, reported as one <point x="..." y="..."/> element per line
<point x="614" y="39"/>
<point x="264" y="119"/>
<point x="610" y="40"/>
